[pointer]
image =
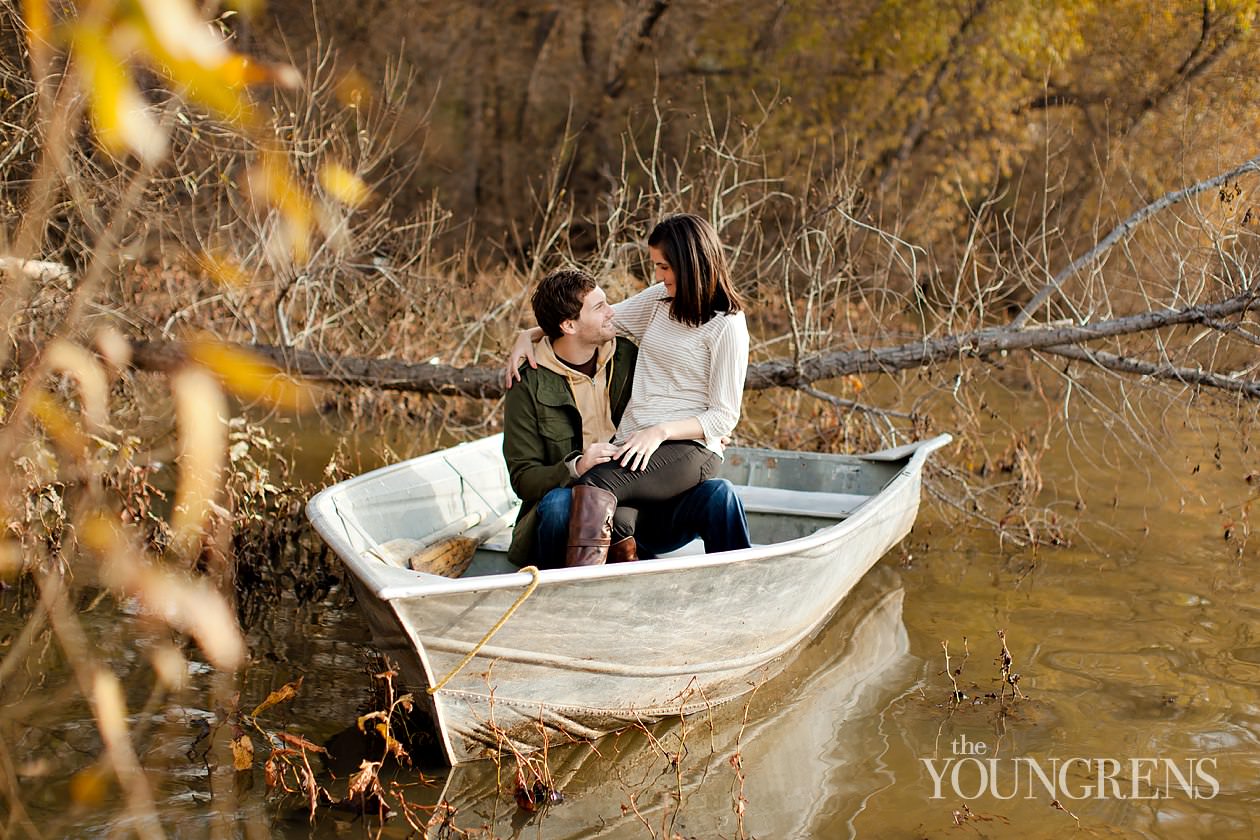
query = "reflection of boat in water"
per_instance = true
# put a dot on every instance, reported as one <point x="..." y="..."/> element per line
<point x="595" y="649"/>
<point x="809" y="753"/>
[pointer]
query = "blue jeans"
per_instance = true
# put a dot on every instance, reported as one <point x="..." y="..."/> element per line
<point x="710" y="511"/>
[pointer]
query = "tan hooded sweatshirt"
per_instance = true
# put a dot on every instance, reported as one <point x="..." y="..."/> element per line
<point x="589" y="393"/>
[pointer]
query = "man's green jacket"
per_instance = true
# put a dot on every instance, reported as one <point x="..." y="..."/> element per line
<point x="542" y="429"/>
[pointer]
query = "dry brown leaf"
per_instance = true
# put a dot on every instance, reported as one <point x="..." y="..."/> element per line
<point x="392" y="746"/>
<point x="285" y="692"/>
<point x="364" y="780"/>
<point x="299" y="742"/>
<point x="311" y="788"/>
<point x="271" y="769"/>
<point x="242" y="752"/>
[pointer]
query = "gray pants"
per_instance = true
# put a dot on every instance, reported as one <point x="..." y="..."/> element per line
<point x="675" y="467"/>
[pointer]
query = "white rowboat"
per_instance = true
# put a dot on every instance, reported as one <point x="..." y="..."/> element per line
<point x="595" y="649"/>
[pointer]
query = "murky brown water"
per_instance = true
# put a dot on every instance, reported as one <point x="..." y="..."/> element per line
<point x="1138" y="652"/>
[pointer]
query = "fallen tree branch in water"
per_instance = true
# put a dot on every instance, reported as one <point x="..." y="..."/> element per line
<point x="386" y="374"/>
<point x="985" y="342"/>
<point x="487" y="382"/>
<point x="1188" y="376"/>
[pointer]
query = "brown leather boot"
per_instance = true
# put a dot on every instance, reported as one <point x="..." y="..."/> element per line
<point x="590" y="526"/>
<point x="623" y="551"/>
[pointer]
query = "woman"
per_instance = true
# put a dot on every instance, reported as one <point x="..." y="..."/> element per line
<point x="687" y="391"/>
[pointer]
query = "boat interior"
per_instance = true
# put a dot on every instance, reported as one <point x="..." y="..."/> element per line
<point x="451" y="513"/>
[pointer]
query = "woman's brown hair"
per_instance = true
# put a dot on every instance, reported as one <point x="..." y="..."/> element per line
<point x="703" y="280"/>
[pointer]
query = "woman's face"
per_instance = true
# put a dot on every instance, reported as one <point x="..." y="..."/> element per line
<point x="663" y="270"/>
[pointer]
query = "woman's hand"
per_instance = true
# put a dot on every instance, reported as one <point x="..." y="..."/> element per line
<point x="638" y="448"/>
<point x="597" y="453"/>
<point x="522" y="350"/>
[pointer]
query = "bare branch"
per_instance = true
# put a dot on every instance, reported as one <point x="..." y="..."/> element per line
<point x="1234" y="328"/>
<point x="981" y="343"/>
<point x="852" y="405"/>
<point x="1124" y="229"/>
<point x="1188" y="376"/>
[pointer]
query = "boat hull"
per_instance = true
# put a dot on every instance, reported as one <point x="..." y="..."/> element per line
<point x="803" y="735"/>
<point x="592" y="650"/>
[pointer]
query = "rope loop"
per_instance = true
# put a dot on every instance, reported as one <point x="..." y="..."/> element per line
<point x="529" y="590"/>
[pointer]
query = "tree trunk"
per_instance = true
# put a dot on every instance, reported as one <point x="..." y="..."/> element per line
<point x="487" y="382"/>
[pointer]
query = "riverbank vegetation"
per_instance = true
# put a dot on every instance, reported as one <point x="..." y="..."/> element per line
<point x="942" y="214"/>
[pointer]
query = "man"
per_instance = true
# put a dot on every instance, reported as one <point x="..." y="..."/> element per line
<point x="560" y="418"/>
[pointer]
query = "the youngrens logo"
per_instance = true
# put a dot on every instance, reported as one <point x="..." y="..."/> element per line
<point x="971" y="773"/>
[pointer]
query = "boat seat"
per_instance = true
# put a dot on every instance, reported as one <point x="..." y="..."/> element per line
<point x="771" y="500"/>
<point x="500" y="540"/>
<point x="799" y="502"/>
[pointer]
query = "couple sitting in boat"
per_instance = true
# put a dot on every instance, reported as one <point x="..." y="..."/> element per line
<point x="612" y="447"/>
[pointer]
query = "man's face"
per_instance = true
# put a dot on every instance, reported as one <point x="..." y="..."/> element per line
<point x="594" y="324"/>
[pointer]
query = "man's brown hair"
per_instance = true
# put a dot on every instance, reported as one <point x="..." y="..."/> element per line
<point x="559" y="297"/>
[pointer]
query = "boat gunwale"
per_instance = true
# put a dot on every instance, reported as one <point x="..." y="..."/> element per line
<point x="419" y="584"/>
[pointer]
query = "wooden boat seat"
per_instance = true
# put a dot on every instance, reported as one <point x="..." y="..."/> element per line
<point x="777" y="500"/>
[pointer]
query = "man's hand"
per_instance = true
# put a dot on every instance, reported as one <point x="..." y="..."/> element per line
<point x="522" y="350"/>
<point x="638" y="448"/>
<point x="595" y="454"/>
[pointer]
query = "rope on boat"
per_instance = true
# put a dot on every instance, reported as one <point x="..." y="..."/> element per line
<point x="529" y="590"/>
